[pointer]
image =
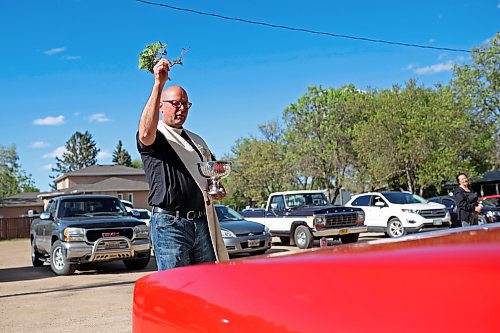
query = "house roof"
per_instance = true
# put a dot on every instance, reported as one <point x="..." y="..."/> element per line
<point x="111" y="184"/>
<point x="22" y="200"/>
<point x="103" y="170"/>
<point x="490" y="176"/>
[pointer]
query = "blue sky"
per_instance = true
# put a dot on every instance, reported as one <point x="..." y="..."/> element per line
<point x="71" y="65"/>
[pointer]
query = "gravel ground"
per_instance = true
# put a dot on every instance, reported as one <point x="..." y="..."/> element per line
<point x="97" y="298"/>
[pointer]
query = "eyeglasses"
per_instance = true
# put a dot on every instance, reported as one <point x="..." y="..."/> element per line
<point x="177" y="104"/>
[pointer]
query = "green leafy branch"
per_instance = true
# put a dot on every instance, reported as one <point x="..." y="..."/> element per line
<point x="153" y="53"/>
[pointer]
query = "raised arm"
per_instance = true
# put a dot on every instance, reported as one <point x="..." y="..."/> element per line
<point x="149" y="117"/>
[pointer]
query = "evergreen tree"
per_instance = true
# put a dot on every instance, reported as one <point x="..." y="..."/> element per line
<point x="121" y="156"/>
<point x="81" y="152"/>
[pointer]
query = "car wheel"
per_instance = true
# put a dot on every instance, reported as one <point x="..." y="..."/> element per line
<point x="285" y="241"/>
<point x="303" y="237"/>
<point x="481" y="220"/>
<point x="58" y="263"/>
<point x="395" y="228"/>
<point x="35" y="256"/>
<point x="134" y="264"/>
<point x="351" y="238"/>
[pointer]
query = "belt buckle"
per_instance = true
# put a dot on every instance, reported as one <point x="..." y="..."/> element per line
<point x="191" y="215"/>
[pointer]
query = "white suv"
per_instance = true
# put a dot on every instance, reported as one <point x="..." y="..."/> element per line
<point x="398" y="213"/>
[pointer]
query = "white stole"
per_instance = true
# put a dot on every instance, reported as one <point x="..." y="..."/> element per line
<point x="190" y="158"/>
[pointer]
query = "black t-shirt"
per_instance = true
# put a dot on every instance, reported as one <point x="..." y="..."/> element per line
<point x="171" y="186"/>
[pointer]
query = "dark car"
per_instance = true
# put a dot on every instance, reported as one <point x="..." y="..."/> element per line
<point x="489" y="214"/>
<point x="240" y="235"/>
<point x="88" y="228"/>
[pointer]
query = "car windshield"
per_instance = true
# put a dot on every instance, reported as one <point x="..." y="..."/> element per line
<point x="144" y="215"/>
<point x="403" y="198"/>
<point x="227" y="214"/>
<point x="91" y="207"/>
<point x="306" y="199"/>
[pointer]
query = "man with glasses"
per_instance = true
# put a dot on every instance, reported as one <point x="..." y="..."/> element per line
<point x="184" y="226"/>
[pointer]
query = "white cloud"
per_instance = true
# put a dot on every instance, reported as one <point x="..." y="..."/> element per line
<point x="436" y="68"/>
<point x="49" y="166"/>
<point x="98" y="117"/>
<point x="49" y="121"/>
<point x="410" y="66"/>
<point x="58" y="152"/>
<point x="72" y="57"/>
<point x="39" y="144"/>
<point x="55" y="51"/>
<point x="103" y="154"/>
<point x="432" y="41"/>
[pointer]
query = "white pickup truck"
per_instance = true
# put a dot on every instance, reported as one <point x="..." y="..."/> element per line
<point x="299" y="217"/>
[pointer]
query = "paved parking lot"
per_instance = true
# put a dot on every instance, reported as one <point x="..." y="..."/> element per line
<point x="97" y="298"/>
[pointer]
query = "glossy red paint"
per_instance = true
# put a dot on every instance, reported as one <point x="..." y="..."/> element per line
<point x="434" y="282"/>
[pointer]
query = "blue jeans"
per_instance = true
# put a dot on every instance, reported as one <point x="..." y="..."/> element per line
<point x="179" y="242"/>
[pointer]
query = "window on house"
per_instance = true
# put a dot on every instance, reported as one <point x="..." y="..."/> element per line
<point x="130" y="197"/>
<point x="120" y="196"/>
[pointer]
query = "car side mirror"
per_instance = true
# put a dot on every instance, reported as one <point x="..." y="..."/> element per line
<point x="46" y="216"/>
<point x="379" y="204"/>
<point x="135" y="213"/>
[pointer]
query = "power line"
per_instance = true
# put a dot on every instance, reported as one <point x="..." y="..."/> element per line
<point x="277" y="26"/>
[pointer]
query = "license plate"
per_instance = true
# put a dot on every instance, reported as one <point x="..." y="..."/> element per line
<point x="437" y="222"/>
<point x="343" y="231"/>
<point x="253" y="242"/>
<point x="112" y="245"/>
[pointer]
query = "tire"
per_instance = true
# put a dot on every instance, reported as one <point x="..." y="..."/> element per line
<point x="303" y="237"/>
<point x="395" y="228"/>
<point x="135" y="264"/>
<point x="285" y="241"/>
<point x="35" y="256"/>
<point x="351" y="238"/>
<point x="59" y="264"/>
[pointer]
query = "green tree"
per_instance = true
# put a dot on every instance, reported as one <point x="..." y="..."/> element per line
<point x="137" y="164"/>
<point x="476" y="86"/>
<point x="318" y="137"/>
<point x="121" y="156"/>
<point x="414" y="138"/>
<point x="81" y="152"/>
<point x="258" y="168"/>
<point x="13" y="179"/>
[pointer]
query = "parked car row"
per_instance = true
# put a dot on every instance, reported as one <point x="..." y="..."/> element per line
<point x="489" y="214"/>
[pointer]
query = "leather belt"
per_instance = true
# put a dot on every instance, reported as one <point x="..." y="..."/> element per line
<point x="190" y="215"/>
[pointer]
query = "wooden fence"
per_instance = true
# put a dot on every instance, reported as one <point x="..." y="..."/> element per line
<point x="15" y="227"/>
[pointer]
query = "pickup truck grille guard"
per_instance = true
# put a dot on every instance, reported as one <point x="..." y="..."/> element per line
<point x="341" y="219"/>
<point x="108" y="248"/>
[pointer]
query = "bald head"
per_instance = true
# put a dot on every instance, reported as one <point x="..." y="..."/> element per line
<point x="166" y="94"/>
<point x="174" y="114"/>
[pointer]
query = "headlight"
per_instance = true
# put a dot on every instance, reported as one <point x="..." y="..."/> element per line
<point x="319" y="221"/>
<point x="74" y="235"/>
<point x="266" y="229"/>
<point x="227" y="234"/>
<point x="141" y="231"/>
<point x="412" y="211"/>
<point x="360" y="217"/>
